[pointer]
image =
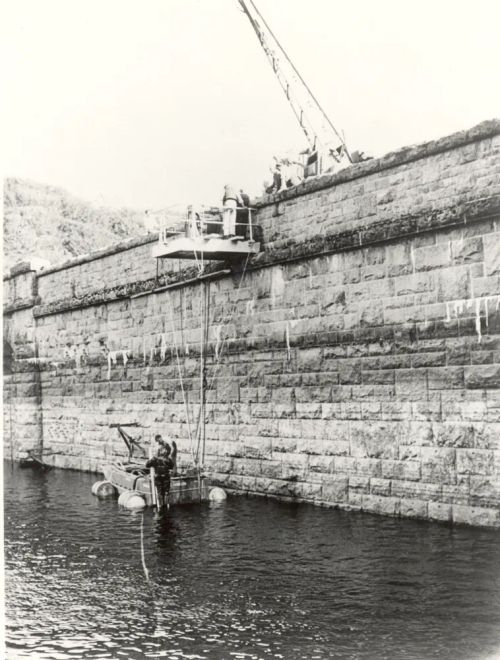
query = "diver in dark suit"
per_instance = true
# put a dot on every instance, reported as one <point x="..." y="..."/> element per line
<point x="164" y="463"/>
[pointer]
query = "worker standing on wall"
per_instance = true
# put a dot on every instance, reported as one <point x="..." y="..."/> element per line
<point x="164" y="463"/>
<point x="230" y="201"/>
<point x="277" y="177"/>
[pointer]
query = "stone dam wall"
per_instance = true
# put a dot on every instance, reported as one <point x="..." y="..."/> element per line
<point x="355" y="362"/>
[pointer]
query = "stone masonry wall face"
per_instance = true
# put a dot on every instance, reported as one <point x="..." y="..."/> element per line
<point x="366" y="378"/>
<point x="114" y="270"/>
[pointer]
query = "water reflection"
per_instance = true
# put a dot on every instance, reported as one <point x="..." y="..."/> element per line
<point x="247" y="578"/>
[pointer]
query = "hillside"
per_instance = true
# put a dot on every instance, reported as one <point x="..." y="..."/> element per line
<point x="48" y="222"/>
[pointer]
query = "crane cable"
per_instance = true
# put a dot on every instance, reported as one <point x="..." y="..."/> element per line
<point x="318" y="105"/>
<point x="181" y="381"/>
<point x="228" y="319"/>
<point x="299" y="76"/>
<point x="217" y="361"/>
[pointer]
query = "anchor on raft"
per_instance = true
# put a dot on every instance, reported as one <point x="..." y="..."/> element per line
<point x="34" y="462"/>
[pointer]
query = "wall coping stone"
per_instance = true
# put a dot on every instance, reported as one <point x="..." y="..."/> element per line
<point x="382" y="231"/>
<point x="122" y="246"/>
<point x="184" y="277"/>
<point x="485" y="129"/>
<point x="19" y="269"/>
<point x="18" y="306"/>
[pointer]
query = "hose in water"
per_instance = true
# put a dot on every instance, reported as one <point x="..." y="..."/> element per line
<point x="146" y="572"/>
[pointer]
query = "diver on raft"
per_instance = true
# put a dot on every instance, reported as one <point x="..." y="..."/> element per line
<point x="164" y="463"/>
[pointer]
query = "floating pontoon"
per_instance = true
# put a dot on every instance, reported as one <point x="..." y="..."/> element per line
<point x="133" y="478"/>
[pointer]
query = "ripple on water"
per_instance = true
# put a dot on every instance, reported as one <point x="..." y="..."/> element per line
<point x="249" y="579"/>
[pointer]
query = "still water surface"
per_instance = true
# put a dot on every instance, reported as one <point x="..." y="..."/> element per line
<point x="247" y="578"/>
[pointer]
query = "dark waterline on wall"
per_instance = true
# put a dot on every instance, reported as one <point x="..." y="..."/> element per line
<point x="248" y="578"/>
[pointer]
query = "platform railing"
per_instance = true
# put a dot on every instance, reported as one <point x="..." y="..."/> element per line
<point x="208" y="221"/>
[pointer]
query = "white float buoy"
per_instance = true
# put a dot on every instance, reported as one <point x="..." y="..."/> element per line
<point x="131" y="500"/>
<point x="217" y="494"/>
<point x="123" y="497"/>
<point x="103" y="489"/>
<point x="135" y="502"/>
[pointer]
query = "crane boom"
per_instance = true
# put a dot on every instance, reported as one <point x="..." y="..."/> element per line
<point x="314" y="122"/>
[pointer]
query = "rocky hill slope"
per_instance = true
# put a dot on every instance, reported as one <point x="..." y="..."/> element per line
<point x="48" y="222"/>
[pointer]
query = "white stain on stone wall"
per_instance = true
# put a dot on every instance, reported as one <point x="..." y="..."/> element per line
<point x="113" y="359"/>
<point x="478" y="319"/>
<point x="277" y="284"/>
<point x="163" y="346"/>
<point x="459" y="307"/>
<point x="217" y="332"/>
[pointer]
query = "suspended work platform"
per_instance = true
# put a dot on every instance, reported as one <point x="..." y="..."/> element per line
<point x="222" y="234"/>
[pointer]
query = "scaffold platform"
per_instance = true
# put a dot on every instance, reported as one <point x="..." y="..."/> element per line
<point x="202" y="235"/>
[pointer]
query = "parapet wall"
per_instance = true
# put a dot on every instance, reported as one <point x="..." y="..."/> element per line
<point x="418" y="181"/>
<point x="353" y="363"/>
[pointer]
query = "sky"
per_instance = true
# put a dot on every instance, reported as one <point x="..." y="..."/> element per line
<point x="157" y="104"/>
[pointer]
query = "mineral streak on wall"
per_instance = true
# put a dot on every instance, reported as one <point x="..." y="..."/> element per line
<point x="356" y="361"/>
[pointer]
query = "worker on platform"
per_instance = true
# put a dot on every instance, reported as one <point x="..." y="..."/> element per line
<point x="245" y="199"/>
<point x="164" y="463"/>
<point x="231" y="200"/>
<point x="242" y="215"/>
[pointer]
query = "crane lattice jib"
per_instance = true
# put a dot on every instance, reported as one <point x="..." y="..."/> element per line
<point x="313" y="120"/>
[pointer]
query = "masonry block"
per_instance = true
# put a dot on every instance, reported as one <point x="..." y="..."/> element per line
<point x="432" y="257"/>
<point x="471" y="515"/>
<point x="487" y="435"/>
<point x="257" y="447"/>
<point x="320" y="465"/>
<point x="313" y="394"/>
<point x="485" y="490"/>
<point x="417" y="490"/>
<point x="438" y="465"/>
<point x="439" y="511"/>
<point x="336" y="490"/>
<point x="416" y="433"/>
<point x="454" y="435"/>
<point x="482" y="377"/>
<point x="411" y="384"/>
<point x="305" y="490"/>
<point x="380" y="486"/>
<point x="345" y="464"/>
<point x="475" y="461"/>
<point x="491" y="258"/>
<point x="366" y="466"/>
<point x="308" y="410"/>
<point x="276" y="487"/>
<point x="378" y="440"/>
<point x="360" y="484"/>
<point x="355" y="500"/>
<point x="309" y="360"/>
<point x="387" y="506"/>
<point x="402" y="469"/>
